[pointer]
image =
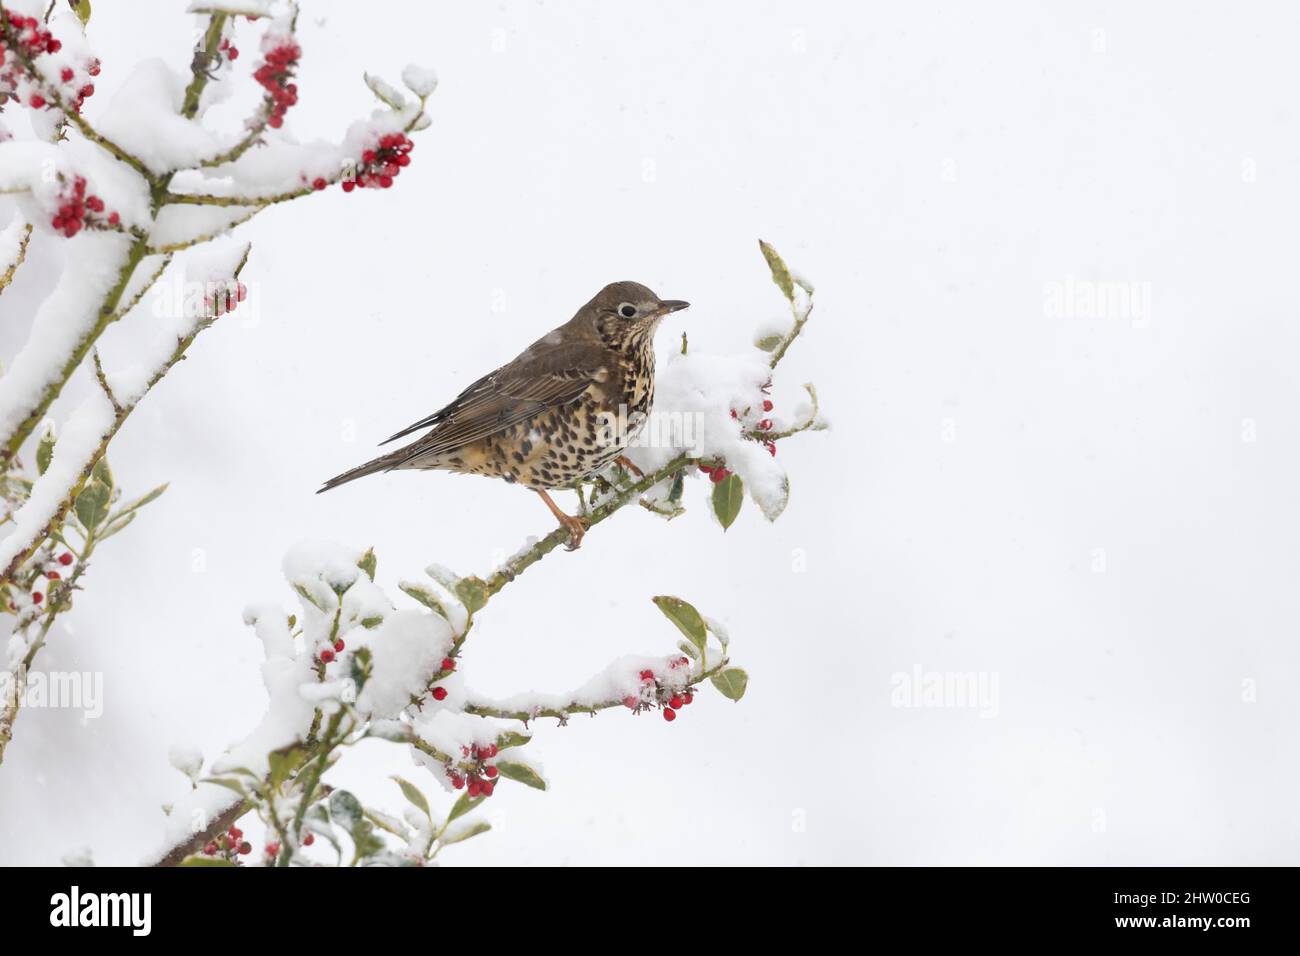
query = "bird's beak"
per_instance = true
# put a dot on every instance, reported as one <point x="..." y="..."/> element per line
<point x="672" y="305"/>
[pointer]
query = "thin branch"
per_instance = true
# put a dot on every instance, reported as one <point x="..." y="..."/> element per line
<point x="103" y="383"/>
<point x="7" y="276"/>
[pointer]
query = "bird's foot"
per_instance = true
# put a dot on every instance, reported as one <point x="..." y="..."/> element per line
<point x="627" y="463"/>
<point x="577" y="526"/>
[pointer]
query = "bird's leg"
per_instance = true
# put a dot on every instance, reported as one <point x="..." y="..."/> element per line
<point x="576" y="526"/>
<point x="627" y="463"/>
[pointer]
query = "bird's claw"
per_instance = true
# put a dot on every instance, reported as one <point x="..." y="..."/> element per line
<point x="577" y="526"/>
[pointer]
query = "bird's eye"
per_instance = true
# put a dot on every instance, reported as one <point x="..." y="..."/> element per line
<point x="626" y="310"/>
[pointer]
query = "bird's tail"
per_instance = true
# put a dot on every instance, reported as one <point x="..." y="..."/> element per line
<point x="382" y="463"/>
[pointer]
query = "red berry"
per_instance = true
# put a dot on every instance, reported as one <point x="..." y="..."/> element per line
<point x="235" y="833"/>
<point x="669" y="714"/>
<point x="771" y="448"/>
<point x="93" y="69"/>
<point x="273" y="849"/>
<point x="319" y="183"/>
<point x="94" y="204"/>
<point x="52" y="575"/>
<point x="707" y="469"/>
<point x="488" y="786"/>
<point x="233" y="53"/>
<point x="687" y="698"/>
<point x="475" y="787"/>
<point x="767" y="404"/>
<point x="647" y="675"/>
<point x="114" y="219"/>
<point x="67" y="75"/>
<point x="349" y="185"/>
<point x="326" y="656"/>
<point x="338" y="646"/>
<point x="54" y="46"/>
<point x="675" y="702"/>
<point x="385" y="182"/>
<point x="492" y="750"/>
<point x="719" y="474"/>
<point x="88" y="90"/>
<point x="37" y="101"/>
<point x="276" y="121"/>
<point x="440" y="693"/>
<point x="765" y="425"/>
<point x="490" y="771"/>
<point x="37" y="597"/>
<point x="457" y="781"/>
<point x="245" y="848"/>
<point x="630" y="702"/>
<point x="309" y="839"/>
<point x="210" y="849"/>
<point x="448" y="664"/>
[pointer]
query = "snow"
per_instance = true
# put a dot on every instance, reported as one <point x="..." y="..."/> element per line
<point x="188" y="760"/>
<point x="694" y="397"/>
<point x="407" y="650"/>
<point x="144" y="119"/>
<point x="618" y="680"/>
<point x="246" y="8"/>
<point x="421" y="81"/>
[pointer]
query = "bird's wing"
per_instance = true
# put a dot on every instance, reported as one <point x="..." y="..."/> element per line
<point x="546" y="375"/>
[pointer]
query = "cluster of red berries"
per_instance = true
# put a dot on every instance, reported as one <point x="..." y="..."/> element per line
<point x="85" y="90"/>
<point x="379" y="165"/>
<point x="275" y="75"/>
<point x="229" y="49"/>
<point x="670" y="700"/>
<point x="76" y="210"/>
<point x="474" y="781"/>
<point x="51" y="573"/>
<point x="32" y="38"/>
<point x="229" y="844"/>
<point x="329" y="653"/>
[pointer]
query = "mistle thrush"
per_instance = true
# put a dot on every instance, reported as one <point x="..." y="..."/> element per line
<point x="569" y="404"/>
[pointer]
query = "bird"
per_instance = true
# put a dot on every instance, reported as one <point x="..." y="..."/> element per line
<point x="561" y="410"/>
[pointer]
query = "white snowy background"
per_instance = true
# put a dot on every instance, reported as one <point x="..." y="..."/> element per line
<point x="930" y="169"/>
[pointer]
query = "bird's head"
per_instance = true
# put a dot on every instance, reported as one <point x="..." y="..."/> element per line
<point x="626" y="308"/>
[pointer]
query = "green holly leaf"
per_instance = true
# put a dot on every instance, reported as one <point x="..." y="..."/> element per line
<point x="471" y="831"/>
<point x="368" y="563"/>
<point x="688" y="620"/>
<point x="413" y="794"/>
<point x="285" y="762"/>
<point x="200" y="860"/>
<point x="780" y="272"/>
<point x="728" y="496"/>
<point x="768" y="343"/>
<point x="82" y="9"/>
<point x="731" y="682"/>
<point x="464" y="805"/>
<point x="512" y="738"/>
<point x="92" y="504"/>
<point x="424" y="595"/>
<point x="45" y="451"/>
<point x="522" y="773"/>
<point x="472" y="592"/>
